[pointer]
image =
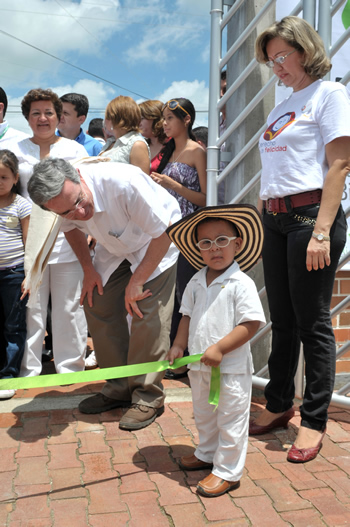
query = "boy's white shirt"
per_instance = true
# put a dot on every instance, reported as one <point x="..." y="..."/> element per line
<point x="215" y="310"/>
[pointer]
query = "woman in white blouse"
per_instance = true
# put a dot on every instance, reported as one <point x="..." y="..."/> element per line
<point x="127" y="145"/>
<point x="63" y="275"/>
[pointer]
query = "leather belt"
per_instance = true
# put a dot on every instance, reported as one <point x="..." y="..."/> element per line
<point x="278" y="205"/>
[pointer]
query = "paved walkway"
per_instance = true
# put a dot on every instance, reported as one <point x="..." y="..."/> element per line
<point x="61" y="468"/>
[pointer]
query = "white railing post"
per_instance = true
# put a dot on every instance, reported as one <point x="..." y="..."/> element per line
<point x="213" y="150"/>
<point x="325" y="26"/>
<point x="309" y="12"/>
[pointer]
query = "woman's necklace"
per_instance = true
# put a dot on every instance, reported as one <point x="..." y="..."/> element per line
<point x="177" y="157"/>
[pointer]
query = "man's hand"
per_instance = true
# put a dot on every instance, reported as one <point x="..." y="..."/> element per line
<point x="213" y="356"/>
<point x="174" y="353"/>
<point x="133" y="293"/>
<point x="91" y="280"/>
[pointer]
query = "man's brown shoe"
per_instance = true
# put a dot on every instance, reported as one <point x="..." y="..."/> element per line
<point x="212" y="486"/>
<point x="100" y="403"/>
<point x="193" y="463"/>
<point x="139" y="416"/>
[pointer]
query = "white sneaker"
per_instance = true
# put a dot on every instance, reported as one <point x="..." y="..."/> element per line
<point x="7" y="394"/>
<point x="90" y="361"/>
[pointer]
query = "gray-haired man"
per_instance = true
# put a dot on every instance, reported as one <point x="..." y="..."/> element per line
<point x="133" y="271"/>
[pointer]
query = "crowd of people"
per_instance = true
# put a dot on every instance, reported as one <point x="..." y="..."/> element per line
<point x="133" y="256"/>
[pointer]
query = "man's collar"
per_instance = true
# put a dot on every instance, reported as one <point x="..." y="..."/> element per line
<point x="3" y="127"/>
<point x="98" y="202"/>
<point x="75" y="139"/>
<point x="80" y="135"/>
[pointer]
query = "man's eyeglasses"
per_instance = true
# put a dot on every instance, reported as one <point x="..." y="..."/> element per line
<point x="278" y="61"/>
<point x="79" y="204"/>
<point x="220" y="241"/>
<point x="172" y="105"/>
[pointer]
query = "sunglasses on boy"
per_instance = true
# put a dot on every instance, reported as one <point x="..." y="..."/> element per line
<point x="172" y="105"/>
<point x="220" y="241"/>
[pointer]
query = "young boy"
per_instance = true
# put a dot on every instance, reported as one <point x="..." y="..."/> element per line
<point x="221" y="312"/>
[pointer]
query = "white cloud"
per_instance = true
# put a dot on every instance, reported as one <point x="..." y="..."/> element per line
<point x="98" y="93"/>
<point x="165" y="29"/>
<point x="198" y="7"/>
<point x="205" y="55"/>
<point x="106" y="38"/>
<point x="57" y="28"/>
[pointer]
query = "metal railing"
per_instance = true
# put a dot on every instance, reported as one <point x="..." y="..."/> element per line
<point x="219" y="22"/>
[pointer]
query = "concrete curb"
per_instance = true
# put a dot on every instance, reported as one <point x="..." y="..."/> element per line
<point x="69" y="402"/>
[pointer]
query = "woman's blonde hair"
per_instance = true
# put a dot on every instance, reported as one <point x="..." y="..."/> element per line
<point x="301" y="36"/>
<point x="152" y="111"/>
<point x="124" y="113"/>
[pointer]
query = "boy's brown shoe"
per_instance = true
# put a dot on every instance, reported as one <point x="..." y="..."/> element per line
<point x="213" y="486"/>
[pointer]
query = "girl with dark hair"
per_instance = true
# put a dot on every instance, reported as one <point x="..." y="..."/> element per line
<point x="14" y="221"/>
<point x="182" y="171"/>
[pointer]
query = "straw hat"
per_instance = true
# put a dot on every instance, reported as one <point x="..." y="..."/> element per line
<point x="246" y="219"/>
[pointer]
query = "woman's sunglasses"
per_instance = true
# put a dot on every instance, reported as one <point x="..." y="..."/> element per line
<point x="172" y="105"/>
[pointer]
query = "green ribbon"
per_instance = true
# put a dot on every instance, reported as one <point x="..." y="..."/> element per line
<point x="214" y="392"/>
<point x="346" y="15"/>
<point x="61" y="379"/>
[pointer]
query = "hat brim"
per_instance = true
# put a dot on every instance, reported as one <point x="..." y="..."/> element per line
<point x="245" y="217"/>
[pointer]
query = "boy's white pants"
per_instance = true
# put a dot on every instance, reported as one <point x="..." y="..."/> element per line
<point x="223" y="433"/>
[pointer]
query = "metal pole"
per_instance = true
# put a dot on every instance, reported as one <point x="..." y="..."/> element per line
<point x="325" y="26"/>
<point x="309" y="12"/>
<point x="214" y="95"/>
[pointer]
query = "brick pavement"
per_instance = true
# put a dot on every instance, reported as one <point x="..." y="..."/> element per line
<point x="61" y="468"/>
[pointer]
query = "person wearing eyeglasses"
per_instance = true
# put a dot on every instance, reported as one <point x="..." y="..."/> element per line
<point x="133" y="272"/>
<point x="221" y="311"/>
<point x="182" y="171"/>
<point x="63" y="276"/>
<point x="305" y="155"/>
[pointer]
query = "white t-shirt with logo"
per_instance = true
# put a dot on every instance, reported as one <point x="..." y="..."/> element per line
<point x="292" y="148"/>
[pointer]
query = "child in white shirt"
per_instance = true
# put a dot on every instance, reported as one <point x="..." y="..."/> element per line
<point x="221" y="312"/>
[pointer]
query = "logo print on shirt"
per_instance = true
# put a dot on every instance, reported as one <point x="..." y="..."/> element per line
<point x="279" y="125"/>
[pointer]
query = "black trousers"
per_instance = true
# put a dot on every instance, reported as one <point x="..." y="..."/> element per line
<point x="299" y="302"/>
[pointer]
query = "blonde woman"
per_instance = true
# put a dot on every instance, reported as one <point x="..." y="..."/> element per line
<point x="305" y="154"/>
<point x="122" y="119"/>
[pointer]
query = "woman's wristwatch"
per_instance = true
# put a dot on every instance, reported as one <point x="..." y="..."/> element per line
<point x="321" y="237"/>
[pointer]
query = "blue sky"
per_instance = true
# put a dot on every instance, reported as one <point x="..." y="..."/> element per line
<point x="147" y="49"/>
<point x="155" y="49"/>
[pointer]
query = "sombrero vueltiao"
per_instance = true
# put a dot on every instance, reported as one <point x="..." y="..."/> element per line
<point x="245" y="217"/>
